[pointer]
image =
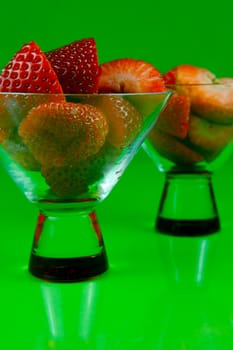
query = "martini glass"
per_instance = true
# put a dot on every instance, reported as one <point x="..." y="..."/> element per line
<point x="188" y="206"/>
<point x="66" y="153"/>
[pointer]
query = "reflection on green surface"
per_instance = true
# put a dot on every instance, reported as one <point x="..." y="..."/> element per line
<point x="69" y="322"/>
<point x="187" y="260"/>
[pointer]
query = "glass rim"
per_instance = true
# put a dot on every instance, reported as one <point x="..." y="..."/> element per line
<point x="153" y="93"/>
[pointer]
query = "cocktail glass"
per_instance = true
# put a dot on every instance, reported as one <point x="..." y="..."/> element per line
<point x="66" y="153"/>
<point x="188" y="205"/>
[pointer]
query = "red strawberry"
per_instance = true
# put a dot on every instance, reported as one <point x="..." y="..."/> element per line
<point x="59" y="134"/>
<point x="148" y="103"/>
<point x="76" y="65"/>
<point x="28" y="71"/>
<point x="174" y="119"/>
<point x="188" y="74"/>
<point x="73" y="180"/>
<point x="130" y="75"/>
<point x="67" y="181"/>
<point x="210" y="97"/>
<point x="124" y="121"/>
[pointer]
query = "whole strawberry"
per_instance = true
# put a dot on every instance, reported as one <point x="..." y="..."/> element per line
<point x="124" y="120"/>
<point x="60" y="134"/>
<point x="74" y="179"/>
<point x="77" y="67"/>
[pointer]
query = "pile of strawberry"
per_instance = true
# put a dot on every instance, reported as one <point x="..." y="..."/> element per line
<point x="68" y="141"/>
<point x="197" y="123"/>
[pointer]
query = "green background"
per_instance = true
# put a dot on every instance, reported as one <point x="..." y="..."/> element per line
<point x="163" y="32"/>
<point x="160" y="293"/>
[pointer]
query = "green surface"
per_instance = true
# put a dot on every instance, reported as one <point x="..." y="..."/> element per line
<point x="159" y="293"/>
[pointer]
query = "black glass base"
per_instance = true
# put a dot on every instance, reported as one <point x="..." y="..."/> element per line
<point x="68" y="269"/>
<point x="188" y="228"/>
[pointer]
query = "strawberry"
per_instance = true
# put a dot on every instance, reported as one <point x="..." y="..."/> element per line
<point x="124" y="120"/>
<point x="209" y="138"/>
<point x="63" y="133"/>
<point x="188" y="74"/>
<point x="130" y="75"/>
<point x="173" y="149"/>
<point x="65" y="181"/>
<point x="226" y="80"/>
<point x="76" y="65"/>
<point x="28" y="71"/>
<point x="174" y="119"/>
<point x="148" y="103"/>
<point x="73" y="180"/>
<point x="214" y="102"/>
<point x="6" y="123"/>
<point x="210" y="97"/>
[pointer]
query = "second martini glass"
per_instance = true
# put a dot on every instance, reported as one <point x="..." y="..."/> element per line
<point x="189" y="156"/>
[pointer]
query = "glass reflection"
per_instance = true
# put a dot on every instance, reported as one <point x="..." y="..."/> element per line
<point x="70" y="316"/>
<point x="187" y="260"/>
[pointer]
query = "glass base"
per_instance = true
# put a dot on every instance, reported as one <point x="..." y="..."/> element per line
<point x="68" y="269"/>
<point x="67" y="247"/>
<point x="188" y="206"/>
<point x="187" y="227"/>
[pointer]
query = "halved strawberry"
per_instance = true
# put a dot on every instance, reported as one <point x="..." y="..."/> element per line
<point x="63" y="133"/>
<point x="214" y="102"/>
<point x="226" y="80"/>
<point x="173" y="149"/>
<point x="174" y="119"/>
<point x="208" y="138"/>
<point x="188" y="74"/>
<point x="130" y="75"/>
<point x="210" y="97"/>
<point x="76" y="65"/>
<point x="28" y="71"/>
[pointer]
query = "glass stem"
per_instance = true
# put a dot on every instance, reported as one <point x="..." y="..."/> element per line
<point x="188" y="206"/>
<point x="67" y="247"/>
